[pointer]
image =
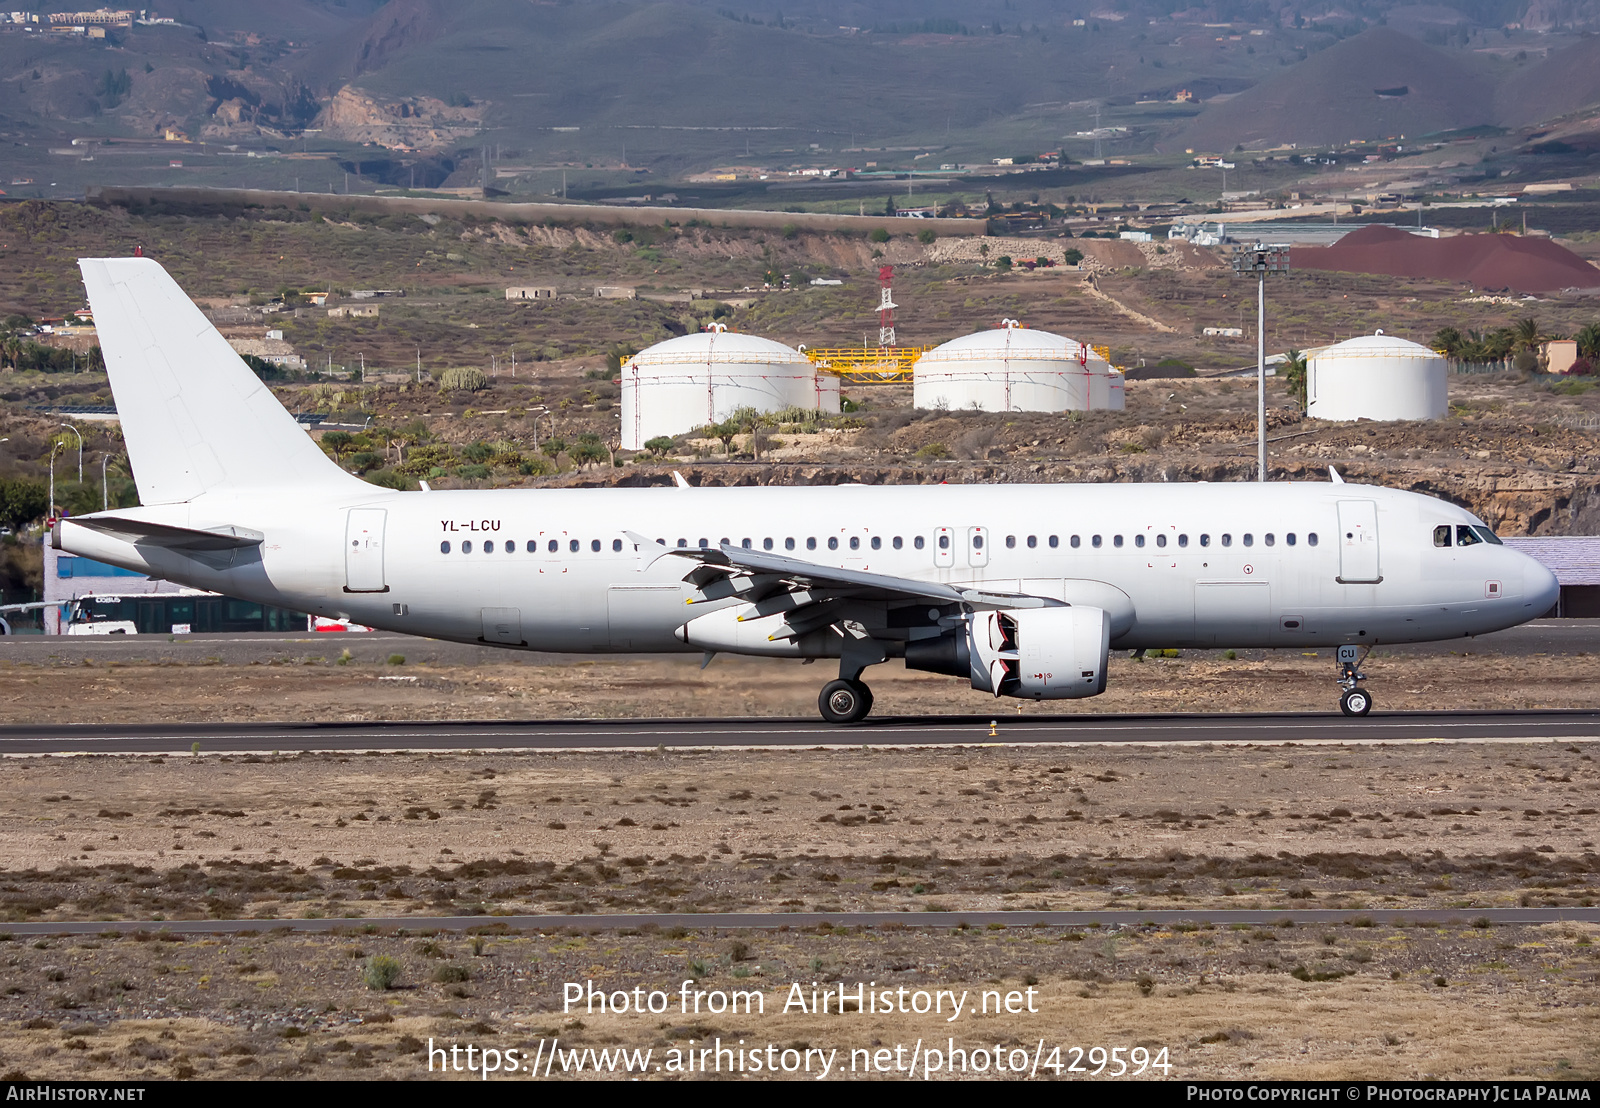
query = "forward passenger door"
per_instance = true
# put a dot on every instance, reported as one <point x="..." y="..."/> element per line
<point x="1358" y="542"/>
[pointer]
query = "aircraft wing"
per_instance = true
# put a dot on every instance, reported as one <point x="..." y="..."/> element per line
<point x="727" y="570"/>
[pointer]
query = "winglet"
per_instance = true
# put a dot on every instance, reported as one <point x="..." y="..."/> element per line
<point x="677" y="479"/>
<point x="1333" y="475"/>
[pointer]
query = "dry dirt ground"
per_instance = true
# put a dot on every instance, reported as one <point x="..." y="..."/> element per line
<point x="1462" y="826"/>
<point x="314" y="686"/>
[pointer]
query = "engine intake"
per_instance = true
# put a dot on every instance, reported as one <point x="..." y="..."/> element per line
<point x="1032" y="653"/>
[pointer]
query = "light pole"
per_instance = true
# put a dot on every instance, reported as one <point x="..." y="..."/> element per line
<point x="105" y="493"/>
<point x="55" y="448"/>
<point x="534" y="412"/>
<point x="74" y="430"/>
<point x="1260" y="260"/>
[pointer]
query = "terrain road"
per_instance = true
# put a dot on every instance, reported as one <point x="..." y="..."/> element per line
<point x="219" y="738"/>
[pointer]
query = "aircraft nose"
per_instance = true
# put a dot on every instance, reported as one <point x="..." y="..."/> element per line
<point x="1540" y="589"/>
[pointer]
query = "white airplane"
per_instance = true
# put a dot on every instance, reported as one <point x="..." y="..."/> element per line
<point x="1022" y="590"/>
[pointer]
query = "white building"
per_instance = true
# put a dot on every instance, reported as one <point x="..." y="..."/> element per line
<point x="1015" y="369"/>
<point x="1376" y="377"/>
<point x="690" y="381"/>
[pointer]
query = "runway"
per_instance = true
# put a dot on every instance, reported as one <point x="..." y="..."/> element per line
<point x="790" y="921"/>
<point x="997" y="729"/>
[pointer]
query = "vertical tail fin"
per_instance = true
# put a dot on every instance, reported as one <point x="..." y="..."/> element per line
<point x="195" y="418"/>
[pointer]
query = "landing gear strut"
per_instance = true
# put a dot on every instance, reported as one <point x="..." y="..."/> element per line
<point x="845" y="701"/>
<point x="1354" y="701"/>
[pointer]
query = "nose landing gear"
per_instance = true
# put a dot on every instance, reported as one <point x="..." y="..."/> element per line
<point x="1354" y="701"/>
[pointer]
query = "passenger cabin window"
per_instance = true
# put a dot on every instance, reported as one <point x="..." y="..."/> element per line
<point x="1269" y="539"/>
<point x="594" y="545"/>
<point x="1227" y="540"/>
<point x="1465" y="536"/>
<point x="1011" y="542"/>
<point x="1094" y="541"/>
<point x="1289" y="538"/>
<point x="1033" y="541"/>
<point x="554" y="545"/>
<point x="944" y="542"/>
<point x="444" y="547"/>
<point x="1076" y="542"/>
<point x="1183" y="540"/>
<point x="788" y="544"/>
<point x="572" y="545"/>
<point x="1205" y="540"/>
<point x="811" y="544"/>
<point x="1116" y="540"/>
<point x="918" y="542"/>
<point x="1161" y="540"/>
<point x="1311" y="538"/>
<point x="877" y="542"/>
<point x="1138" y="540"/>
<point x="511" y="546"/>
<point x="616" y="546"/>
<point x="1441" y="535"/>
<point x="466" y="547"/>
<point x="1249" y="540"/>
<point x="488" y="546"/>
<point x="1055" y="541"/>
<point x="833" y="542"/>
<point x="855" y="542"/>
<point x="766" y="544"/>
<point x="977" y="542"/>
<point x="898" y="542"/>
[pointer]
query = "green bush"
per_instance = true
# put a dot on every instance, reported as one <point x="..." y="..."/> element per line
<point x="463" y="379"/>
<point x="451" y="975"/>
<point x="878" y="235"/>
<point x="380" y="972"/>
<point x="659" y="445"/>
<point x="926" y="236"/>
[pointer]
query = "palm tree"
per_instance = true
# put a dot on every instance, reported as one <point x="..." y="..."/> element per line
<point x="1294" y="376"/>
<point x="1526" y="335"/>
<point x="1588" y="339"/>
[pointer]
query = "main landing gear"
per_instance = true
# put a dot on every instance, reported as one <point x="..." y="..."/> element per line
<point x="1354" y="701"/>
<point x="845" y="701"/>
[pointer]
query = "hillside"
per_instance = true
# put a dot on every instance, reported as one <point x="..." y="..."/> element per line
<point x="1567" y="81"/>
<point x="1380" y="83"/>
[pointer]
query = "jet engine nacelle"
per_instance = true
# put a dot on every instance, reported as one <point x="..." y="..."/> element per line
<point x="1041" y="653"/>
<point x="1035" y="653"/>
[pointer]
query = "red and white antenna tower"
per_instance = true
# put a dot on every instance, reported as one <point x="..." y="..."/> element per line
<point x="886" y="306"/>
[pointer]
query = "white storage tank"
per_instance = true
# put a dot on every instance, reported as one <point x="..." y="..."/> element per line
<point x="690" y="381"/>
<point x="1376" y="377"/>
<point x="1015" y="369"/>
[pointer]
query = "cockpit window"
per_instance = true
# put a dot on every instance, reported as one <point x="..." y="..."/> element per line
<point x="1465" y="536"/>
<point x="1488" y="536"/>
<point x="1441" y="535"/>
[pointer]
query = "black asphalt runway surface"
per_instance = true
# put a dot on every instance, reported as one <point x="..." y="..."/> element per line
<point x="733" y="921"/>
<point x="1000" y="729"/>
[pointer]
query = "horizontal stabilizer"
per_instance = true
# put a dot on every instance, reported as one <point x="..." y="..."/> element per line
<point x="225" y="537"/>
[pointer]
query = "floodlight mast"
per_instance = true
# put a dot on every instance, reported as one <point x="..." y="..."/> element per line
<point x="1261" y="260"/>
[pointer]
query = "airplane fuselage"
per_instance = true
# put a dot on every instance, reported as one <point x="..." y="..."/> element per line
<point x="1242" y="565"/>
